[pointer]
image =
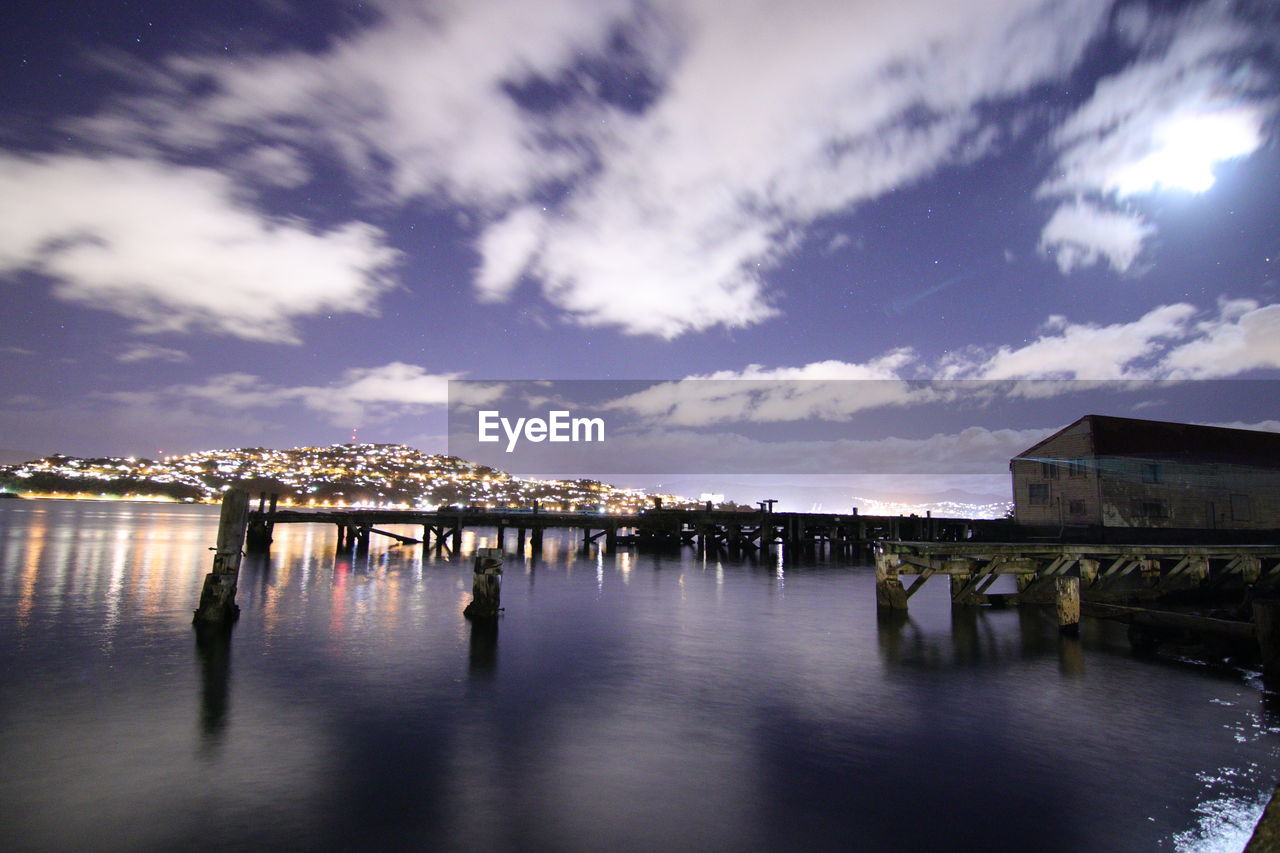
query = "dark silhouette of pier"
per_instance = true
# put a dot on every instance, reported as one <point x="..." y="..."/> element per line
<point x="703" y="528"/>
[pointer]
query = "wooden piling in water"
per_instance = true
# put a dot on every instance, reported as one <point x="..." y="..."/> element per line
<point x="218" y="596"/>
<point x="1266" y="621"/>
<point x="486" y="585"/>
<point x="889" y="591"/>
<point x="1067" y="599"/>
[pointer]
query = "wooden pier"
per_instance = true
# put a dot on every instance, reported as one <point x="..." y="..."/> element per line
<point x="708" y="529"/>
<point x="1104" y="572"/>
<point x="1104" y="580"/>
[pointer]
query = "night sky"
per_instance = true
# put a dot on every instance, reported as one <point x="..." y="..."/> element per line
<point x="272" y="223"/>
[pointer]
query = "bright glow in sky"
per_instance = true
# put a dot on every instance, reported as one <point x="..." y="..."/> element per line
<point x="1187" y="148"/>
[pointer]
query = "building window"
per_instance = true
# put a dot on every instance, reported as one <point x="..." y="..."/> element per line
<point x="1150" y="472"/>
<point x="1075" y="508"/>
<point x="1049" y="470"/>
<point x="1241" y="508"/>
<point x="1038" y="494"/>
<point x="1075" y="468"/>
<point x="1147" y="508"/>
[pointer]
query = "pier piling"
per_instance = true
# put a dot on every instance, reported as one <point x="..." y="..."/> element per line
<point x="486" y="585"/>
<point x="1067" y="589"/>
<point x="889" y="592"/>
<point x="1266" y="621"/>
<point x="218" y="596"/>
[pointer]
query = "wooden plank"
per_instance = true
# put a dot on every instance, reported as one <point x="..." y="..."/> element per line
<point x="1172" y="619"/>
<point x="919" y="581"/>
<point x="406" y="540"/>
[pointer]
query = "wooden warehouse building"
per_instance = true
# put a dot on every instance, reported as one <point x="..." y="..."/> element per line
<point x="1123" y="472"/>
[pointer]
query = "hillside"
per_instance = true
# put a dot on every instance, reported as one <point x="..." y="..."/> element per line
<point x="342" y="474"/>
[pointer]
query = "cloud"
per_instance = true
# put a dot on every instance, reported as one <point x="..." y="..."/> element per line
<point x="1169" y="342"/>
<point x="1080" y="234"/>
<point x="669" y="448"/>
<point x="278" y="165"/>
<point x="419" y="103"/>
<point x="176" y="249"/>
<point x="755" y="393"/>
<point x="360" y="396"/>
<point x="658" y="206"/>
<point x="1243" y="337"/>
<point x="1163" y="122"/>
<point x="1067" y="350"/>
<point x="151" y="352"/>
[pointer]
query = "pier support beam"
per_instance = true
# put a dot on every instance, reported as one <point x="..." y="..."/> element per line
<point x="959" y="583"/>
<point x="218" y="596"/>
<point x="1266" y="621"/>
<point x="486" y="585"/>
<point x="1067" y="599"/>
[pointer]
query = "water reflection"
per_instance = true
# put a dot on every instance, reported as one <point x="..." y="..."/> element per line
<point x="978" y="636"/>
<point x="213" y="647"/>
<point x="483" y="647"/>
<point x="1070" y="656"/>
<point x="644" y="701"/>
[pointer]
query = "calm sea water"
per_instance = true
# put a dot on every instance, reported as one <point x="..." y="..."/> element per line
<point x="628" y="702"/>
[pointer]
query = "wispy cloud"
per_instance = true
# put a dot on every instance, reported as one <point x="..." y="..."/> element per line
<point x="657" y="207"/>
<point x="151" y="352"/>
<point x="643" y="165"/>
<point x="1170" y="342"/>
<point x="359" y="396"/>
<point x="1081" y="234"/>
<point x="176" y="249"/>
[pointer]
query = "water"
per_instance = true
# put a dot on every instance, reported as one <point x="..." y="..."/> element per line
<point x="643" y="702"/>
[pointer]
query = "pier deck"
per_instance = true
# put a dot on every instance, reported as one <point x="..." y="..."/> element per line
<point x="973" y="567"/>
<point x="704" y="528"/>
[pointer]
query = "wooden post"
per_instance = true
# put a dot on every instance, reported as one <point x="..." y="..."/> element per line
<point x="261" y="526"/>
<point x="1266" y="621"/>
<point x="218" y="597"/>
<point x="486" y="585"/>
<point x="502" y="535"/>
<point x="1067" y="597"/>
<point x="889" y="591"/>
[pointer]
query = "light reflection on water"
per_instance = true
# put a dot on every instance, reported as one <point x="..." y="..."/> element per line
<point x="638" y="701"/>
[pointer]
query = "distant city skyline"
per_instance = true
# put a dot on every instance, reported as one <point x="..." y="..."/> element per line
<point x="281" y="224"/>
